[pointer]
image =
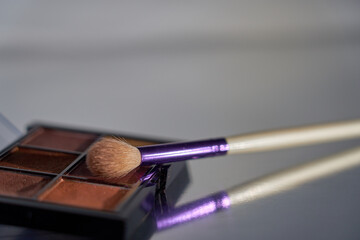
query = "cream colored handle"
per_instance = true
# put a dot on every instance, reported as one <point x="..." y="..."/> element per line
<point x="293" y="137"/>
<point x="293" y="177"/>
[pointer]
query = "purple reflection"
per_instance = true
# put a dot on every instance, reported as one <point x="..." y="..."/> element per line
<point x="147" y="177"/>
<point x="194" y="210"/>
<point x="172" y="152"/>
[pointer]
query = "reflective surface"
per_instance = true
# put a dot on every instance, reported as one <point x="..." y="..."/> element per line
<point x="190" y="71"/>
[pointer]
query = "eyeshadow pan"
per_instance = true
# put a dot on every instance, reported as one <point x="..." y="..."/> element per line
<point x="131" y="178"/>
<point x="60" y="139"/>
<point x="86" y="195"/>
<point x="21" y="185"/>
<point x="38" y="160"/>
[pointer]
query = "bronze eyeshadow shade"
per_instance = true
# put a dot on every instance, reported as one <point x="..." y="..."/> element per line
<point x="21" y="185"/>
<point x="87" y="195"/>
<point x="38" y="160"/>
<point x="60" y="139"/>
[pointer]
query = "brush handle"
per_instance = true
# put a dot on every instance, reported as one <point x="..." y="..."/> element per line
<point x="255" y="142"/>
<point x="293" y="137"/>
<point x="260" y="188"/>
<point x="290" y="178"/>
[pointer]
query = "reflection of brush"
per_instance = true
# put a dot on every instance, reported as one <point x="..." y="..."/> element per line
<point x="113" y="158"/>
<point x="260" y="188"/>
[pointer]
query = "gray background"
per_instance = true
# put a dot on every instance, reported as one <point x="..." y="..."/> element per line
<point x="198" y="69"/>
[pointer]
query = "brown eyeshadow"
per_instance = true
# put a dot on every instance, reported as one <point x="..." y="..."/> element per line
<point x="38" y="160"/>
<point x="86" y="195"/>
<point x="20" y="185"/>
<point x="131" y="178"/>
<point x="60" y="139"/>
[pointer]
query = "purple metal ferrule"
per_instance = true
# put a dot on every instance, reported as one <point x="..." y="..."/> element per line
<point x="193" y="210"/>
<point x="172" y="152"/>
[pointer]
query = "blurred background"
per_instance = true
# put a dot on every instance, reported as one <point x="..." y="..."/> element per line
<point x="188" y="70"/>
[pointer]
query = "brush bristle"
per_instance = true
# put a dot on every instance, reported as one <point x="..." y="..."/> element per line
<point x="111" y="158"/>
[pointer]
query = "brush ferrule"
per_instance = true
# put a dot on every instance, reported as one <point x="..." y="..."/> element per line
<point x="172" y="152"/>
<point x="193" y="210"/>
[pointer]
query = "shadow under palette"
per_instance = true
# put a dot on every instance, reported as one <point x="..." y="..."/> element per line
<point x="45" y="184"/>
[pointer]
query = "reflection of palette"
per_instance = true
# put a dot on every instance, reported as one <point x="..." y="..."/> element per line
<point x="45" y="181"/>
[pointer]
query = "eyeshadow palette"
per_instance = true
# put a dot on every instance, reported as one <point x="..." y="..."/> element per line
<point x="45" y="184"/>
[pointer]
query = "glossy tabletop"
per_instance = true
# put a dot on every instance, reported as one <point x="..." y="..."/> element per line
<point x="191" y="71"/>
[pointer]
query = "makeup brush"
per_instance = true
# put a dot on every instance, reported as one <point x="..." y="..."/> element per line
<point x="111" y="158"/>
<point x="262" y="187"/>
